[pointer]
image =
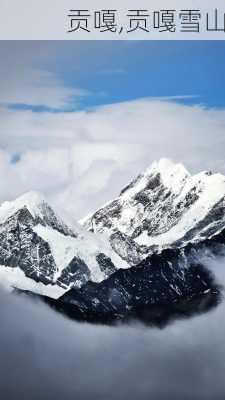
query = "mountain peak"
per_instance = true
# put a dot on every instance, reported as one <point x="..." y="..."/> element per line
<point x="39" y="209"/>
<point x="171" y="175"/>
<point x="169" y="171"/>
<point x="37" y="245"/>
<point x="162" y="207"/>
<point x="31" y="200"/>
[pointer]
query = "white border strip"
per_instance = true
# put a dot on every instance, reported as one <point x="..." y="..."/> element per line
<point x="48" y="19"/>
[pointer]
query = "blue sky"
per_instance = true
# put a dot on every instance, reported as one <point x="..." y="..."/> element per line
<point x="121" y="70"/>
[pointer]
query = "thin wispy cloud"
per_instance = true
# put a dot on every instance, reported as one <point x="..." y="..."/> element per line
<point x="40" y="88"/>
<point x="177" y="97"/>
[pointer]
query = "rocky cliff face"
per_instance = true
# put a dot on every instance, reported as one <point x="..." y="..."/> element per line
<point x="163" y="286"/>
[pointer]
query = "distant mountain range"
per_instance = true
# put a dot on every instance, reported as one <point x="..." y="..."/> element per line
<point x="145" y="248"/>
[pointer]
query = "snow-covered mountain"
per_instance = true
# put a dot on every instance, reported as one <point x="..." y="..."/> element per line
<point x="165" y="207"/>
<point x="147" y="247"/>
<point x="39" y="252"/>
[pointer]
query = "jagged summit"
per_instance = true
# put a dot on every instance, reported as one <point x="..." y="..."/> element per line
<point x="32" y="200"/>
<point x="163" y="207"/>
<point x="172" y="175"/>
<point x="33" y="205"/>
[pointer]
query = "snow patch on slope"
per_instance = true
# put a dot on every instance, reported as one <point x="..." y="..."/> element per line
<point x="11" y="278"/>
<point x="85" y="246"/>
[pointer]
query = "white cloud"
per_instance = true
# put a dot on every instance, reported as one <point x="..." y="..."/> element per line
<point x="82" y="159"/>
<point x="36" y="87"/>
